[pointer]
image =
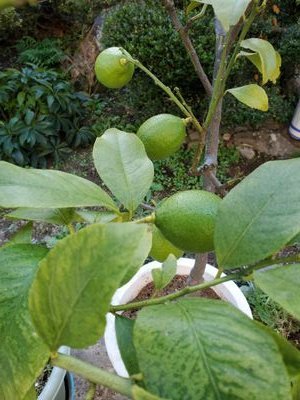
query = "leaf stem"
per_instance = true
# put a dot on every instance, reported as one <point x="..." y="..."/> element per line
<point x="93" y="374"/>
<point x="166" y="89"/>
<point x="172" y="296"/>
<point x="71" y="229"/>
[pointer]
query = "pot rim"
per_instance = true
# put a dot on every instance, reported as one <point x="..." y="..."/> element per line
<point x="56" y="379"/>
<point x="227" y="291"/>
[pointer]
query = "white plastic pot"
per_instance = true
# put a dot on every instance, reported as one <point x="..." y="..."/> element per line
<point x="55" y="388"/>
<point x="227" y="291"/>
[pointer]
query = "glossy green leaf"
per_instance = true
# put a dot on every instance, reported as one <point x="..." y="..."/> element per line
<point x="260" y="215"/>
<point x="139" y="393"/>
<point x="228" y="12"/>
<point x="253" y="96"/>
<point x="22" y="353"/>
<point x="124" y="332"/>
<point x="34" y="188"/>
<point x="282" y="284"/>
<point x="124" y="167"/>
<point x="198" y="349"/>
<point x="265" y="58"/>
<point x="59" y="216"/>
<point x="163" y="276"/>
<point x="76" y="281"/>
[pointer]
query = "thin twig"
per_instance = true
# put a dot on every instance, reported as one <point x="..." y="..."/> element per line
<point x="147" y="207"/>
<point x="186" y="40"/>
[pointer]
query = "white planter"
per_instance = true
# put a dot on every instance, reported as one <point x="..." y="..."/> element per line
<point x="55" y="386"/>
<point x="227" y="291"/>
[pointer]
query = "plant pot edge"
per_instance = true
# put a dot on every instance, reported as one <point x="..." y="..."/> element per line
<point x="54" y="385"/>
<point x="227" y="291"/>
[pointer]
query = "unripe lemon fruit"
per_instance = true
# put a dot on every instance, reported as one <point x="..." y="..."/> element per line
<point x="161" y="247"/>
<point x="162" y="135"/>
<point x="187" y="220"/>
<point x="112" y="69"/>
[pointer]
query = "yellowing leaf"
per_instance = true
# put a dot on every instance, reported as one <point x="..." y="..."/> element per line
<point x="266" y="59"/>
<point x="253" y="96"/>
<point x="228" y="12"/>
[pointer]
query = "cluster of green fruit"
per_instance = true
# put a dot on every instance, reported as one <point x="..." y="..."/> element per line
<point x="186" y="220"/>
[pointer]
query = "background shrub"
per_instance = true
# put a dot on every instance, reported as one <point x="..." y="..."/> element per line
<point x="144" y="29"/>
<point x="40" y="116"/>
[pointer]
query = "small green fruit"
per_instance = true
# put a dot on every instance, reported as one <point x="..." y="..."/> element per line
<point x="187" y="219"/>
<point x="161" y="247"/>
<point x="162" y="135"/>
<point x="112" y="69"/>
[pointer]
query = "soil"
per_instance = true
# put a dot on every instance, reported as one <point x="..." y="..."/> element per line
<point x="42" y="379"/>
<point x="177" y="283"/>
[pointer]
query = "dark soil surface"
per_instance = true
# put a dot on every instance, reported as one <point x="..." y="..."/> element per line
<point x="177" y="283"/>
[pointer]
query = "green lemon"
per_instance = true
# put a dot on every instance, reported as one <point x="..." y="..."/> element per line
<point x="112" y="69"/>
<point x="161" y="247"/>
<point x="162" y="135"/>
<point x="187" y="219"/>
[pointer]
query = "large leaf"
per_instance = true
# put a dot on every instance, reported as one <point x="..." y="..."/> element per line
<point x="253" y="96"/>
<point x="123" y="165"/>
<point x="36" y="188"/>
<point x="75" y="283"/>
<point x="22" y="353"/>
<point x="260" y="215"/>
<point x="59" y="216"/>
<point x="228" y="12"/>
<point x="205" y="349"/>
<point x="282" y="284"/>
<point x="265" y="58"/>
<point x="124" y="333"/>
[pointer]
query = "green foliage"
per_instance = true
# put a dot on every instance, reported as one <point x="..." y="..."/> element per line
<point x="122" y="163"/>
<point x="221" y="345"/>
<point x="239" y="227"/>
<point x="151" y="38"/>
<point x="41" y="116"/>
<point x="46" y="53"/>
<point x="265" y="309"/>
<point x="19" y="339"/>
<point x="9" y="22"/>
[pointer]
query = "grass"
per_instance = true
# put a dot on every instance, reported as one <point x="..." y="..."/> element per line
<point x="268" y="312"/>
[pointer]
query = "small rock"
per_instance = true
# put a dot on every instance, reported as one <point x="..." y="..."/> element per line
<point x="247" y="152"/>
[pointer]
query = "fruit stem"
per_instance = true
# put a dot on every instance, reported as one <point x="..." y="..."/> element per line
<point x="166" y="89"/>
<point x="123" y="61"/>
<point x="150" y="219"/>
<point x="187" y="120"/>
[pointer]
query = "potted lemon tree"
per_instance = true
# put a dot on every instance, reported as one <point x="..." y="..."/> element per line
<point x="179" y="347"/>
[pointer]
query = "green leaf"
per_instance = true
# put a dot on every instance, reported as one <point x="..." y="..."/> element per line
<point x="22" y="353"/>
<point x="282" y="285"/>
<point x="206" y="349"/>
<point x="124" y="332"/>
<point x="93" y="217"/>
<point x="289" y="353"/>
<point x="228" y="12"/>
<point x="139" y="393"/>
<point x="36" y="188"/>
<point x="76" y="281"/>
<point x="265" y="58"/>
<point x="253" y="96"/>
<point x="123" y="165"/>
<point x="163" y="276"/>
<point x="63" y="216"/>
<point x="296" y="388"/>
<point x="260" y="215"/>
